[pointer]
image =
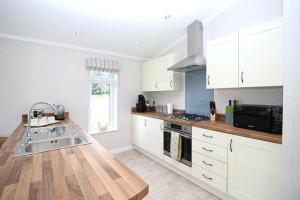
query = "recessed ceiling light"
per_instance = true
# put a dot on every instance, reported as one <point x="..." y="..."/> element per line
<point x="167" y="17"/>
<point x="77" y="34"/>
<point x="137" y="46"/>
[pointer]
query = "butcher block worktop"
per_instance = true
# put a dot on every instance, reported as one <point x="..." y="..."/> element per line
<point x="219" y="125"/>
<point x="81" y="172"/>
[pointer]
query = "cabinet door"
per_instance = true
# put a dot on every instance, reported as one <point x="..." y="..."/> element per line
<point x="222" y="62"/>
<point x="150" y="76"/>
<point x="166" y="81"/>
<point x="260" y="59"/>
<point x="139" y="131"/>
<point x="155" y="137"/>
<point x="254" y="169"/>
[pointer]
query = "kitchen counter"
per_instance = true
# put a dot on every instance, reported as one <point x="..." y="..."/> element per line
<point x="219" y="126"/>
<point x="81" y="172"/>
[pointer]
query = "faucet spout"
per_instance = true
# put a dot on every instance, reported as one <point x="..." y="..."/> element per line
<point x="51" y="105"/>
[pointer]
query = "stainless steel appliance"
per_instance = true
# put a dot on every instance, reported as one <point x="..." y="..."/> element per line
<point x="185" y="133"/>
<point x="195" y="59"/>
<point x="265" y="118"/>
<point x="60" y="112"/>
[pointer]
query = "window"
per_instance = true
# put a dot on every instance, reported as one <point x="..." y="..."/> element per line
<point x="103" y="101"/>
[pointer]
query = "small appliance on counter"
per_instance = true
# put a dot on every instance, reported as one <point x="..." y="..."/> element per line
<point x="60" y="112"/>
<point x="169" y="108"/>
<point x="212" y="109"/>
<point x="266" y="118"/>
<point x="141" y="105"/>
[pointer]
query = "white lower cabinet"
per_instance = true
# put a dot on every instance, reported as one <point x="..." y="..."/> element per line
<point x="209" y="157"/>
<point x="254" y="169"/>
<point x="243" y="168"/>
<point x="148" y="134"/>
<point x="210" y="178"/>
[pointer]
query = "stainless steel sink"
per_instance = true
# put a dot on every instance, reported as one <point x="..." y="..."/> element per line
<point x="51" y="138"/>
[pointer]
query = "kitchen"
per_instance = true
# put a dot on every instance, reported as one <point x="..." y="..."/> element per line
<point x="102" y="144"/>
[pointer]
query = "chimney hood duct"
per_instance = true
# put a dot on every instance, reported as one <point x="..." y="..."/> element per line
<point x="195" y="59"/>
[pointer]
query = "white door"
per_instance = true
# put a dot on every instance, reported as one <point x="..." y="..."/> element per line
<point x="139" y="131"/>
<point x="260" y="59"/>
<point x="222" y="62"/>
<point x="254" y="169"/>
<point x="166" y="81"/>
<point x="155" y="137"/>
<point x="150" y="76"/>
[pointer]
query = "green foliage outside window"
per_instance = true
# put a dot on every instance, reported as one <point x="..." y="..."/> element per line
<point x="100" y="89"/>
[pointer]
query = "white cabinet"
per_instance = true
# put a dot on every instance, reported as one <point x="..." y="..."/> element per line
<point x="209" y="157"/>
<point x="222" y="62"/>
<point x="254" y="169"/>
<point x="156" y="77"/>
<point x="150" y="75"/>
<point x="148" y="134"/>
<point x="260" y="55"/>
<point x="249" y="58"/>
<point x="139" y="130"/>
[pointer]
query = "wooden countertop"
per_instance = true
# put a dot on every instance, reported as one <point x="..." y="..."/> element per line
<point x="82" y="172"/>
<point x="219" y="126"/>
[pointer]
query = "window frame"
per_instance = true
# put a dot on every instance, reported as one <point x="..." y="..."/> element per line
<point x="113" y="112"/>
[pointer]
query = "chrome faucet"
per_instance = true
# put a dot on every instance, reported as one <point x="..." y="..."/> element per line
<point x="51" y="105"/>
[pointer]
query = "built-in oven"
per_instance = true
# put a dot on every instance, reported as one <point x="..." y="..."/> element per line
<point x="185" y="133"/>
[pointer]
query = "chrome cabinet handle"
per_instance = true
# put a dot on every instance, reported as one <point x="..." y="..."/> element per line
<point x="208" y="136"/>
<point x="161" y="127"/>
<point x="208" y="82"/>
<point x="242" y="77"/>
<point x="207" y="177"/>
<point x="171" y="83"/>
<point x="145" y="123"/>
<point x="207" y="163"/>
<point x="156" y="84"/>
<point x="209" y="150"/>
<point x="230" y="145"/>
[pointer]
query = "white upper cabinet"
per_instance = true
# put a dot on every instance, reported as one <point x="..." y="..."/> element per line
<point x="150" y="75"/>
<point x="222" y="62"/>
<point x="156" y="77"/>
<point x="254" y="169"/>
<point x="260" y="59"/>
<point x="250" y="58"/>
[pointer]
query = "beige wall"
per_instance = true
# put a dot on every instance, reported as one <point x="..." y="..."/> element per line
<point x="31" y="72"/>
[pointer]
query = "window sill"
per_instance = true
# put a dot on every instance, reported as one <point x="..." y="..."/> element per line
<point x="102" y="132"/>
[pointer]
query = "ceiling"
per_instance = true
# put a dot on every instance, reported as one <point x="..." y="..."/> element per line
<point x="135" y="28"/>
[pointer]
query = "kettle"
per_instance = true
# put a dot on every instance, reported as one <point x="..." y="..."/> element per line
<point x="60" y="112"/>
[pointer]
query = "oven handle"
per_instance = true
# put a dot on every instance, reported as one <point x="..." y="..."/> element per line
<point x="180" y="133"/>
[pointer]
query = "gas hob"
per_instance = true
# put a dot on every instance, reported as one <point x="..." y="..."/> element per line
<point x="189" y="117"/>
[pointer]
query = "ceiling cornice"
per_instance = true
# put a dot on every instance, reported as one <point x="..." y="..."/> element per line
<point x="69" y="46"/>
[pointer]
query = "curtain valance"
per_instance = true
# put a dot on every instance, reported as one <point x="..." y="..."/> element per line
<point x="104" y="65"/>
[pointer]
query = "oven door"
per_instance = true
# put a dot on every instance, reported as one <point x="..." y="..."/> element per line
<point x="186" y="147"/>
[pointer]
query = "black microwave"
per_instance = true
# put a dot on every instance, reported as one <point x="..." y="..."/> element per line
<point x="264" y="118"/>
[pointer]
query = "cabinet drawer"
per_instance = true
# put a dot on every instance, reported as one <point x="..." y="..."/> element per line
<point x="209" y="164"/>
<point x="212" y="151"/>
<point x="209" y="178"/>
<point x="209" y="136"/>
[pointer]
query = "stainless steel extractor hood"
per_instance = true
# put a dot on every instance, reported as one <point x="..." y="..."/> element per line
<point x="195" y="59"/>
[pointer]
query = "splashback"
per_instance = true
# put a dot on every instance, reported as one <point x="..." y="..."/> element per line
<point x="197" y="97"/>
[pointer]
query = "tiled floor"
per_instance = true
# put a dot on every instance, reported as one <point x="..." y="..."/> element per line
<point x="163" y="183"/>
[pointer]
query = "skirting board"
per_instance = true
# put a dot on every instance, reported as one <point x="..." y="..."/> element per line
<point x="122" y="149"/>
<point x="197" y="182"/>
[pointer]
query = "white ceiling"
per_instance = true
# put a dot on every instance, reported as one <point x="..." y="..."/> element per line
<point x="116" y="26"/>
